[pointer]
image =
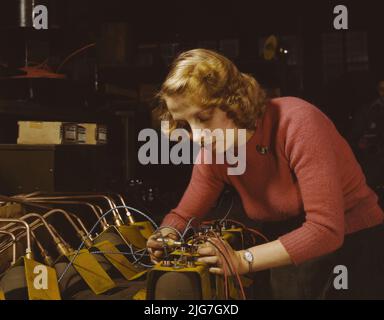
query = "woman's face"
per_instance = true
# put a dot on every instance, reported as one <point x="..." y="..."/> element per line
<point x="183" y="109"/>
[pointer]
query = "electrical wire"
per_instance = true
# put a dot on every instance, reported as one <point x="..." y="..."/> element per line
<point x="73" y="54"/>
<point x="133" y="254"/>
<point x="138" y="260"/>
<point x="227" y="260"/>
<point x="202" y="239"/>
<point x="260" y="234"/>
<point x="222" y="251"/>
<point x="226" y="266"/>
<point x="225" y="270"/>
<point x="230" y="260"/>
<point x="142" y="213"/>
<point x="225" y="253"/>
<point x="113" y="252"/>
<point x="166" y="253"/>
<point x="221" y="248"/>
<point x="188" y="227"/>
<point x="91" y="231"/>
<point x="228" y="211"/>
<point x="181" y="235"/>
<point x="225" y="218"/>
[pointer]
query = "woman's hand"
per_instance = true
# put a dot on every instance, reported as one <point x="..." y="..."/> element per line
<point x="211" y="255"/>
<point x="155" y="247"/>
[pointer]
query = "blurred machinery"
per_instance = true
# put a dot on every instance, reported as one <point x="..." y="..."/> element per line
<point x="92" y="246"/>
<point x="110" y="247"/>
<point x="180" y="276"/>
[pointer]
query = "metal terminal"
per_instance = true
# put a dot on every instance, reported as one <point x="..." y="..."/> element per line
<point x="166" y="263"/>
<point x="170" y="242"/>
<point x="176" y="264"/>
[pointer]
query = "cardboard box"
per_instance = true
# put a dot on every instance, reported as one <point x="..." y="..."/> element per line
<point x="36" y="132"/>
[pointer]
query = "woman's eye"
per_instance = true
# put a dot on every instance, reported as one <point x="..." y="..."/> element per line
<point x="203" y="118"/>
<point x="200" y="119"/>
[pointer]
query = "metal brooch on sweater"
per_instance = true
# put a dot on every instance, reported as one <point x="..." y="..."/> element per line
<point x="262" y="149"/>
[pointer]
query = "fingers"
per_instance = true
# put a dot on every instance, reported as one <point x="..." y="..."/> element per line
<point x="210" y="255"/>
<point x="207" y="250"/>
<point x="155" y="247"/>
<point x="169" y="233"/>
<point x="221" y="244"/>
<point x="216" y="270"/>
<point x="153" y="243"/>
<point x="155" y="255"/>
<point x="172" y="236"/>
<point x="158" y="254"/>
<point x="210" y="260"/>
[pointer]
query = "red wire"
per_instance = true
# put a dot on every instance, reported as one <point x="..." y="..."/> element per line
<point x="73" y="54"/>
<point x="225" y="282"/>
<point x="225" y="270"/>
<point x="249" y="229"/>
<point x="258" y="233"/>
<point x="235" y="270"/>
<point x="253" y="232"/>
<point x="226" y="254"/>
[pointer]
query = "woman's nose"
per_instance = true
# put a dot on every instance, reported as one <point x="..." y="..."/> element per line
<point x="202" y="136"/>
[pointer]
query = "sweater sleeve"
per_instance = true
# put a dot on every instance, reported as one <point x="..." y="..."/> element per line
<point x="203" y="190"/>
<point x="313" y="159"/>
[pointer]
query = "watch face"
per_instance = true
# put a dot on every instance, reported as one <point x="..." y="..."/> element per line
<point x="248" y="256"/>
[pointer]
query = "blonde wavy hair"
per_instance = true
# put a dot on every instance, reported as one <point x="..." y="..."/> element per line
<point x="213" y="81"/>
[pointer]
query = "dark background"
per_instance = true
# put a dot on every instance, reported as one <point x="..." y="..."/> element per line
<point x="337" y="70"/>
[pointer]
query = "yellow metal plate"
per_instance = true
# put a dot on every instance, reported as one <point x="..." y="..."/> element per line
<point x="145" y="227"/>
<point x="140" y="295"/>
<point x="2" y="296"/>
<point x="133" y="236"/>
<point x="138" y="275"/>
<point x="118" y="260"/>
<point x="41" y="281"/>
<point x="92" y="272"/>
<point x="234" y="293"/>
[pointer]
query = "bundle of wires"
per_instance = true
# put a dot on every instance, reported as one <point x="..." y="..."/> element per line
<point x="82" y="244"/>
<point x="228" y="265"/>
<point x="141" y="253"/>
<point x="252" y="231"/>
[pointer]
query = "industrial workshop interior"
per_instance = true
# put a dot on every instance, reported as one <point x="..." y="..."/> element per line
<point x="191" y="150"/>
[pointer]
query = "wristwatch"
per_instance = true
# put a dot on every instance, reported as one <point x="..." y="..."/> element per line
<point x="248" y="256"/>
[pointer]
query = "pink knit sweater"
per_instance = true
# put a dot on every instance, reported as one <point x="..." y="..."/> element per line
<point x="309" y="168"/>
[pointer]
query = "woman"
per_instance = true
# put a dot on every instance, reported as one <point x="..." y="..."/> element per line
<point x="301" y="179"/>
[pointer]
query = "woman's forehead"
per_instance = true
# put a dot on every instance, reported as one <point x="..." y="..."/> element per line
<point x="181" y="105"/>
